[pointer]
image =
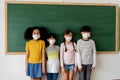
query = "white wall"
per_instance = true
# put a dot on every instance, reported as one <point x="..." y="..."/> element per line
<point x="119" y="3"/>
<point x="12" y="67"/>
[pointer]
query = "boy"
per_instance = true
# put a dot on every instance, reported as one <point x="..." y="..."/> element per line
<point x="86" y="54"/>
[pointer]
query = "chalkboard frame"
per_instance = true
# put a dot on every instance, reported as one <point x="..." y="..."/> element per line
<point x="61" y="3"/>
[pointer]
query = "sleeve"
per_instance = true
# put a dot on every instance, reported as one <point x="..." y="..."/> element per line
<point x="78" y="55"/>
<point x="27" y="47"/>
<point x="43" y="47"/>
<point x="94" y="55"/>
<point x="62" y="55"/>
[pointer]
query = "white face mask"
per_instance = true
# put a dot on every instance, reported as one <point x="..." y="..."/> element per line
<point x="68" y="38"/>
<point x="86" y="35"/>
<point x="36" y="36"/>
<point x="52" y="41"/>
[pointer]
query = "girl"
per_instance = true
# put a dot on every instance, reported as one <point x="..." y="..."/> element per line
<point x="67" y="56"/>
<point x="87" y="54"/>
<point x="35" y="53"/>
<point x="52" y="52"/>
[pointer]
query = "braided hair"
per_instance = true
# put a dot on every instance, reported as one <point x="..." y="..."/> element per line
<point x="66" y="33"/>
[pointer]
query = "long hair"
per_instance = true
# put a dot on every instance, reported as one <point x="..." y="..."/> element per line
<point x="44" y="33"/>
<point x="66" y="33"/>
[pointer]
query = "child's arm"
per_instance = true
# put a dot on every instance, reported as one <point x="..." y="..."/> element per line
<point x="78" y="54"/>
<point x="26" y="59"/>
<point x="62" y="57"/>
<point x="27" y="55"/>
<point x="43" y="61"/>
<point x="75" y="68"/>
<point x="94" y="56"/>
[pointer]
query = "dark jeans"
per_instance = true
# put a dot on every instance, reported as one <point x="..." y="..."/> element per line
<point x="52" y="76"/>
<point x="85" y="73"/>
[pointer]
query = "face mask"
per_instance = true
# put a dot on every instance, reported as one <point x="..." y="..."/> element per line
<point x="86" y="35"/>
<point x="68" y="38"/>
<point x="52" y="41"/>
<point x="35" y="36"/>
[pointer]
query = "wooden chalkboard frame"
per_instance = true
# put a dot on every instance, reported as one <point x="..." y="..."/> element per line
<point x="61" y="3"/>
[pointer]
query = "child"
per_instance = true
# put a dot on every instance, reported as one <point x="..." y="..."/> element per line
<point x="67" y="56"/>
<point x="87" y="54"/>
<point x="52" y="52"/>
<point x="35" y="53"/>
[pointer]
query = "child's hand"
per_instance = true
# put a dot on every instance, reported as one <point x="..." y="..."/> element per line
<point x="43" y="71"/>
<point x="80" y="69"/>
<point x="93" y="68"/>
<point x="26" y="67"/>
<point x="63" y="69"/>
<point x="75" y="69"/>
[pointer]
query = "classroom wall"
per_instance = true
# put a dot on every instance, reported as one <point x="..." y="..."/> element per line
<point x="12" y="67"/>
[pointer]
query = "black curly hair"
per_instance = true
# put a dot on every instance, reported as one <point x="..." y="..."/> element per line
<point x="28" y="32"/>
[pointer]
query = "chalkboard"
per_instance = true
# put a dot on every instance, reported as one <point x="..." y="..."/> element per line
<point x="57" y="17"/>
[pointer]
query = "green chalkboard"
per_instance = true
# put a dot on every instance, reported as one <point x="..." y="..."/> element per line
<point x="57" y="18"/>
